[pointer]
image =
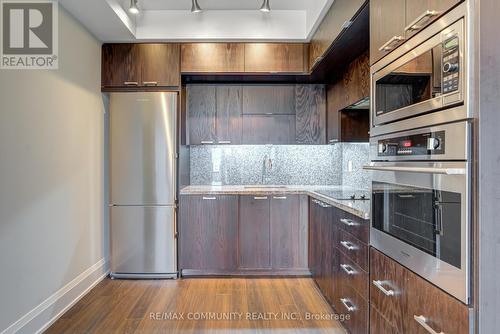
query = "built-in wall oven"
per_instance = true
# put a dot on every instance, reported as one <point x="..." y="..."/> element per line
<point x="421" y="199"/>
<point x="425" y="75"/>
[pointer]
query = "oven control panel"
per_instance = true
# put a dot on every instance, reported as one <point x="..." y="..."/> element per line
<point x="451" y="65"/>
<point x="422" y="144"/>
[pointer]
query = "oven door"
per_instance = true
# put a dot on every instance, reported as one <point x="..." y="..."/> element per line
<point x="428" y="78"/>
<point x="420" y="218"/>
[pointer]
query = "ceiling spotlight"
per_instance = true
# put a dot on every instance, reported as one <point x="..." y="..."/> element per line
<point x="195" y="7"/>
<point x="133" y="9"/>
<point x="265" y="7"/>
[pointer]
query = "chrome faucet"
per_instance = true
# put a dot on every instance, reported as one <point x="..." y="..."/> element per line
<point x="267" y="167"/>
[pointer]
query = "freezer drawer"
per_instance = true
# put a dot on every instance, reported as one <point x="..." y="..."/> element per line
<point x="143" y="241"/>
<point x="143" y="148"/>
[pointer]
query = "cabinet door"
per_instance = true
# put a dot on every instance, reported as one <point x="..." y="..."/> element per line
<point x="268" y="129"/>
<point x="311" y="114"/>
<point x="335" y="102"/>
<point x="208" y="234"/>
<point x="421" y="13"/>
<point x="254" y="233"/>
<point x="120" y="66"/>
<point x="314" y="238"/>
<point x="212" y="58"/>
<point x="429" y="306"/>
<point x="378" y="325"/>
<point x="201" y="110"/>
<point x="160" y="64"/>
<point x="357" y="80"/>
<point x="274" y="57"/>
<point x="288" y="233"/>
<point x="229" y="106"/>
<point x="269" y="99"/>
<point x="327" y="249"/>
<point x="388" y="289"/>
<point x="387" y="23"/>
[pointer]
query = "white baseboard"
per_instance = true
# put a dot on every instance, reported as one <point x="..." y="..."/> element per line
<point x="44" y="315"/>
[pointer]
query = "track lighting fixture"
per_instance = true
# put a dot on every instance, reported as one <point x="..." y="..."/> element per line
<point x="195" y="7"/>
<point x="265" y="6"/>
<point x="133" y="9"/>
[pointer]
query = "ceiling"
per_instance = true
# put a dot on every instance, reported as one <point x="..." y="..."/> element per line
<point x="221" y="20"/>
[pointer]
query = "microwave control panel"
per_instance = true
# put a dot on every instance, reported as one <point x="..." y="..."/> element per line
<point x="422" y="144"/>
<point x="451" y="65"/>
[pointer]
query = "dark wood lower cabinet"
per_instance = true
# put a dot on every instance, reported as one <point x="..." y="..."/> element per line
<point x="208" y="233"/>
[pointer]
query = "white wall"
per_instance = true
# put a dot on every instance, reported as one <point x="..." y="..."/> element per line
<point x="52" y="214"/>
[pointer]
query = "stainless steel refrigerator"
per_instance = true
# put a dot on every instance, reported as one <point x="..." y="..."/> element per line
<point x="143" y="184"/>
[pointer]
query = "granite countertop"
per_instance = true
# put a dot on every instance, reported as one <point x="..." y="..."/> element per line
<point x="359" y="208"/>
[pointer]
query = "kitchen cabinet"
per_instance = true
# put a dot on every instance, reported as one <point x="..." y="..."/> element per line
<point x="310" y="114"/>
<point x="269" y="99"/>
<point x="408" y="303"/>
<point x="140" y="65"/>
<point x="201" y="111"/>
<point x="228" y="118"/>
<point x="275" y="58"/>
<point x="208" y="233"/>
<point x="392" y="22"/>
<point x="268" y="129"/>
<point x="212" y="58"/>
<point x="336" y="20"/>
<point x="254" y="233"/>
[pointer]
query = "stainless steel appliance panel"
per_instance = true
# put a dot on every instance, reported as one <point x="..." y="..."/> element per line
<point x="430" y="238"/>
<point x="143" y="241"/>
<point x="143" y="148"/>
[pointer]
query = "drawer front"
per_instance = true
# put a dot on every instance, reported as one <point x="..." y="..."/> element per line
<point x="357" y="307"/>
<point x="388" y="289"/>
<point x="353" y="275"/>
<point x="356" y="250"/>
<point x="360" y="228"/>
<point x="378" y="325"/>
<point x="430" y="307"/>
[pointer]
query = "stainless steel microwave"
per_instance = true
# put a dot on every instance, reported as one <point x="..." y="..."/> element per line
<point x="424" y="78"/>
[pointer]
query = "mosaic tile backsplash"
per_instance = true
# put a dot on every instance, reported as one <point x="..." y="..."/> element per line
<point x="278" y="165"/>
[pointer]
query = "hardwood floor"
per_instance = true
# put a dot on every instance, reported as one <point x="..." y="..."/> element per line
<point x="265" y="305"/>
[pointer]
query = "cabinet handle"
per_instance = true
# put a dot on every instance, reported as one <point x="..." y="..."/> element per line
<point x="348" y="222"/>
<point x="380" y="286"/>
<point x="348" y="269"/>
<point x="349" y="308"/>
<point x="150" y="83"/>
<point x="279" y="197"/>
<point x="209" y="198"/>
<point x="349" y="245"/>
<point x="260" y="198"/>
<point x="422" y="321"/>
<point x="414" y="25"/>
<point x="224" y="142"/>
<point x="331" y="141"/>
<point x="392" y="43"/>
<point x="131" y="83"/>
<point x="207" y="141"/>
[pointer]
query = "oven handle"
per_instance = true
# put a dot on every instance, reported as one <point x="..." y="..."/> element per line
<point x="426" y="170"/>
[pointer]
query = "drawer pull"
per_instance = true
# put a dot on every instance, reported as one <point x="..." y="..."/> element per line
<point x="258" y="198"/>
<point x="348" y="269"/>
<point x="131" y="83"/>
<point x="224" y="142"/>
<point x="150" y="83"/>
<point x="207" y="141"/>
<point x="346" y="303"/>
<point x="423" y="322"/>
<point x="380" y="286"/>
<point x="348" y="222"/>
<point x="279" y="197"/>
<point x="209" y="198"/>
<point x="414" y="26"/>
<point x="392" y="43"/>
<point x="348" y="245"/>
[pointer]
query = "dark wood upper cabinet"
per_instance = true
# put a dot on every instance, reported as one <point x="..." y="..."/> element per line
<point x="120" y="66"/>
<point x="356" y="80"/>
<point x="201" y="113"/>
<point x="268" y="129"/>
<point x="213" y="58"/>
<point x="254" y="233"/>
<point x="208" y="233"/>
<point x="335" y="21"/>
<point x="387" y="23"/>
<point x="275" y="57"/>
<point x="423" y="12"/>
<point x="140" y="65"/>
<point x="269" y="99"/>
<point x="160" y="65"/>
<point x="229" y="110"/>
<point x="310" y="114"/>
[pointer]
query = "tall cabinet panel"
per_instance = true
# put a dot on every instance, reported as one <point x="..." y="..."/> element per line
<point x="310" y="114"/>
<point x="229" y="106"/>
<point x="201" y="106"/>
